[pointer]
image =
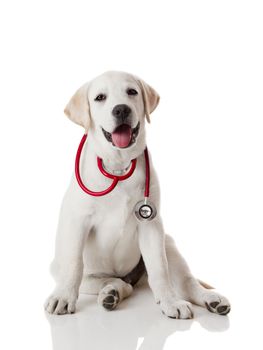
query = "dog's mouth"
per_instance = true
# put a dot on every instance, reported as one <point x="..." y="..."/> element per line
<point x="123" y="136"/>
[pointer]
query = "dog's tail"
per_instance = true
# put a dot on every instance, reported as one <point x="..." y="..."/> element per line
<point x="205" y="285"/>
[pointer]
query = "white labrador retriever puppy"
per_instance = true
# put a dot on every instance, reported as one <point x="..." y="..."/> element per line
<point x="101" y="247"/>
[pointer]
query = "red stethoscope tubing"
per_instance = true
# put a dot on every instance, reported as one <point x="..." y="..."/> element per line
<point x="115" y="178"/>
<point x="147" y="174"/>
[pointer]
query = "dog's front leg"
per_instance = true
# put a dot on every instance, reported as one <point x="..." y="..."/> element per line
<point x="152" y="246"/>
<point x="67" y="266"/>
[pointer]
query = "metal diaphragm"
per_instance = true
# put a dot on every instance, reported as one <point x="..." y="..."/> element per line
<point x="145" y="210"/>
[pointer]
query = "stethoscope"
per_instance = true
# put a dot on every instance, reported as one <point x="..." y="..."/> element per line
<point x="144" y="209"/>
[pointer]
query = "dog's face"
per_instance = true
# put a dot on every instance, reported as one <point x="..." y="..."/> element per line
<point x="114" y="106"/>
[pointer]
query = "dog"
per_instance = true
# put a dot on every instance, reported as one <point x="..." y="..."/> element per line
<point x="101" y="247"/>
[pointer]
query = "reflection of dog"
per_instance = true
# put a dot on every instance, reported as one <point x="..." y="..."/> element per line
<point x="138" y="326"/>
<point x="99" y="241"/>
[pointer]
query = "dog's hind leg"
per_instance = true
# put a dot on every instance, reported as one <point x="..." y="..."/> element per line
<point x="111" y="290"/>
<point x="190" y="288"/>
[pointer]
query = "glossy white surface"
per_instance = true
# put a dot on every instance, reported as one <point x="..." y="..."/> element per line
<point x="136" y="324"/>
<point x="139" y="324"/>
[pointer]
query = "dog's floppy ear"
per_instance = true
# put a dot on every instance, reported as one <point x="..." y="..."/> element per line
<point x="78" y="107"/>
<point x="150" y="97"/>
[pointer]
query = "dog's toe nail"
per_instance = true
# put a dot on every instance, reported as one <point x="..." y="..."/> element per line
<point x="191" y="313"/>
<point x="179" y="313"/>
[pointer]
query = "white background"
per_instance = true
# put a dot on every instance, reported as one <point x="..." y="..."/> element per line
<point x="205" y="59"/>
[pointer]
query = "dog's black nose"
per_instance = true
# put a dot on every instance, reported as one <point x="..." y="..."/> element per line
<point x="121" y="111"/>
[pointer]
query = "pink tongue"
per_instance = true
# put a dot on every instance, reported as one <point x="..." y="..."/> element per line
<point x="121" y="137"/>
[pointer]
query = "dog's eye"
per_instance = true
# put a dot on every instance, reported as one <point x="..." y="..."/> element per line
<point x="100" y="97"/>
<point x="132" y="92"/>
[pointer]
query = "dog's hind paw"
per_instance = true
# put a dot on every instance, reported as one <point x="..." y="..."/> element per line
<point x="109" y="297"/>
<point x="216" y="303"/>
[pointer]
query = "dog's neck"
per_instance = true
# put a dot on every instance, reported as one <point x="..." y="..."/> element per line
<point x="117" y="172"/>
<point x="115" y="163"/>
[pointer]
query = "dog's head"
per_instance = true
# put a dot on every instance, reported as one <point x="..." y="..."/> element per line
<point x="113" y="108"/>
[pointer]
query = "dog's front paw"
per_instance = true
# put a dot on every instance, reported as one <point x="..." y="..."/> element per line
<point x="176" y="308"/>
<point x="61" y="303"/>
<point x="216" y="303"/>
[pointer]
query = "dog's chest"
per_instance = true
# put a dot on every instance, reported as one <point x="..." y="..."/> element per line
<point x="112" y="245"/>
<point x="114" y="218"/>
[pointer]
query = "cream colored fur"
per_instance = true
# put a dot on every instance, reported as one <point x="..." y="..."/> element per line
<point x="98" y="238"/>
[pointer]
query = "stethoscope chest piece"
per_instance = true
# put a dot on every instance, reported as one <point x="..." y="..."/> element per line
<point x="145" y="210"/>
